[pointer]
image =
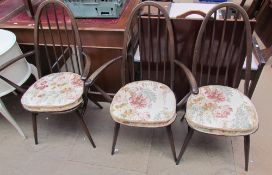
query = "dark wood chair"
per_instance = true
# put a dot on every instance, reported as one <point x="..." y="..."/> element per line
<point x="259" y="57"/>
<point x="146" y="98"/>
<point x="219" y="108"/>
<point x="64" y="90"/>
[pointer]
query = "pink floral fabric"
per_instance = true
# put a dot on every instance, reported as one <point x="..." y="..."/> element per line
<point x="221" y="110"/>
<point x="54" y="92"/>
<point x="144" y="104"/>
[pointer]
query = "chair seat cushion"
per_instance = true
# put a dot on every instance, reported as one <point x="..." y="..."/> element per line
<point x="55" y="92"/>
<point x="221" y="110"/>
<point x="144" y="104"/>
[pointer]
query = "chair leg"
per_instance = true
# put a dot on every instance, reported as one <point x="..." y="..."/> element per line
<point x="171" y="141"/>
<point x="246" y="148"/>
<point x="85" y="128"/>
<point x="95" y="102"/>
<point x="115" y="135"/>
<point x="182" y="118"/>
<point x="34" y="125"/>
<point x="185" y="143"/>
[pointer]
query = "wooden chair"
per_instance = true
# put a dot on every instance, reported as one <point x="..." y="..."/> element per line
<point x="64" y="90"/>
<point x="146" y="98"/>
<point x="259" y="57"/>
<point x="219" y="108"/>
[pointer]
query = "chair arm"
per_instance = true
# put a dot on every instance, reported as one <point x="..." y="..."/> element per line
<point x="189" y="75"/>
<point x="10" y="62"/>
<point x="87" y="67"/>
<point x="192" y="81"/>
<point x="20" y="89"/>
<point x="90" y="81"/>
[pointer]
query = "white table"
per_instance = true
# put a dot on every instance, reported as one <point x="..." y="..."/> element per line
<point x="18" y="72"/>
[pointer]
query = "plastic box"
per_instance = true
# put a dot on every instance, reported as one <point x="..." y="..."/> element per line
<point x="96" y="8"/>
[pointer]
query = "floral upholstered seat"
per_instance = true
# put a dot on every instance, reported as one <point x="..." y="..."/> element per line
<point x="55" y="92"/>
<point x="221" y="110"/>
<point x="144" y="104"/>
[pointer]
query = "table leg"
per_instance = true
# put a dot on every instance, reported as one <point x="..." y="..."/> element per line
<point x="34" y="71"/>
<point x="6" y="114"/>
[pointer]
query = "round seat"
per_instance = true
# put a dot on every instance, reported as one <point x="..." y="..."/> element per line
<point x="221" y="110"/>
<point x="55" y="92"/>
<point x="144" y="104"/>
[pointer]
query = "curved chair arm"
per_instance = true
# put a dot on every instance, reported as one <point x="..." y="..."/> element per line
<point x="10" y="62"/>
<point x="87" y="67"/>
<point x="91" y="80"/>
<point x="189" y="75"/>
<point x="20" y="89"/>
<point x="96" y="73"/>
<point x="192" y="81"/>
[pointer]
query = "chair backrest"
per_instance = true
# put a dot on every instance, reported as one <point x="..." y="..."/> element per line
<point x="223" y="43"/>
<point x="56" y="39"/>
<point x="149" y="28"/>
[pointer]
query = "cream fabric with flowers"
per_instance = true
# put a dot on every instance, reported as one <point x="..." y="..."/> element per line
<point x="144" y="104"/>
<point x="54" y="92"/>
<point x="221" y="110"/>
